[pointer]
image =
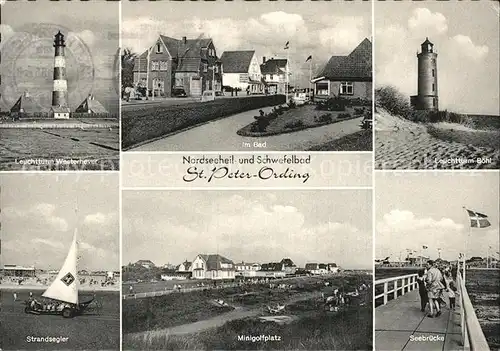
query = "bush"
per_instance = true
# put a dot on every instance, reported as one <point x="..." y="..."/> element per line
<point x="148" y="123"/>
<point x="394" y="101"/>
<point x="443" y="116"/>
<point x="294" y="124"/>
<point x="324" y="118"/>
<point x="335" y="103"/>
<point x="343" y="115"/>
<point x="291" y="104"/>
<point x="359" y="111"/>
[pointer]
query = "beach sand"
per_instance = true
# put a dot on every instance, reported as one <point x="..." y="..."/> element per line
<point x="402" y="144"/>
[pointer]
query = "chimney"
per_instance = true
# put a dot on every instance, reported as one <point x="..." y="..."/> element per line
<point x="263" y="59"/>
<point x="184" y="40"/>
<point x="26" y="94"/>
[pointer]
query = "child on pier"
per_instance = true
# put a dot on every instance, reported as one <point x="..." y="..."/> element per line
<point x="450" y="289"/>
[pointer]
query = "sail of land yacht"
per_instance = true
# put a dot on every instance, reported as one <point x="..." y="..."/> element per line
<point x="65" y="287"/>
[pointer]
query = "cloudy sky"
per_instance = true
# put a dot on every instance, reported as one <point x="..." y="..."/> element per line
<point x="95" y="24"/>
<point x="467" y="47"/>
<point x="38" y="219"/>
<point x="259" y="226"/>
<point x="320" y="29"/>
<point x="425" y="208"/>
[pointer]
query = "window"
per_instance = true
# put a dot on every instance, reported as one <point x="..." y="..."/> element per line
<point x="434" y="102"/>
<point x="205" y="67"/>
<point x="163" y="65"/>
<point x="271" y="76"/>
<point x="158" y="48"/>
<point x="432" y="86"/>
<point x="216" y="69"/>
<point x="322" y="88"/>
<point x="433" y="73"/>
<point x="155" y="65"/>
<point x="346" y="88"/>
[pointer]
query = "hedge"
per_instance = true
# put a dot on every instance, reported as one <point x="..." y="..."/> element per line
<point x="153" y="122"/>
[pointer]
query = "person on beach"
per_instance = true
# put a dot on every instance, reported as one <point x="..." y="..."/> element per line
<point x="422" y="290"/>
<point x="435" y="288"/>
<point x="15" y="296"/>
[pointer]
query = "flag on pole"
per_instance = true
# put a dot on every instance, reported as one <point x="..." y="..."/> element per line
<point x="286" y="45"/>
<point x="424" y="247"/>
<point x="309" y="58"/>
<point x="478" y="220"/>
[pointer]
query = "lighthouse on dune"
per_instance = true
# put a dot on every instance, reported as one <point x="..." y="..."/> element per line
<point x="427" y="98"/>
<point x="60" y="107"/>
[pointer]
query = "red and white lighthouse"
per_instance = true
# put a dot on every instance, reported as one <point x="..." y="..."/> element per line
<point x="60" y="90"/>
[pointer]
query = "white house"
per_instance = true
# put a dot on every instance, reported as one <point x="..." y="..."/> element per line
<point x="321" y="268"/>
<point x="240" y="69"/>
<point x="274" y="74"/>
<point x="212" y="266"/>
<point x="246" y="269"/>
<point x="347" y="76"/>
<point x="184" y="267"/>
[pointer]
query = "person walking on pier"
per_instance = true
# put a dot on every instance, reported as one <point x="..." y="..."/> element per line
<point x="424" y="299"/>
<point x="434" y="288"/>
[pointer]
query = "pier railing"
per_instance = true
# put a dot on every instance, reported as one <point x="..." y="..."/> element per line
<point x="472" y="335"/>
<point x="395" y="286"/>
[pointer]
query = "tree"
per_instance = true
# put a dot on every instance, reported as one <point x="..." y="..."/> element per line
<point x="128" y="60"/>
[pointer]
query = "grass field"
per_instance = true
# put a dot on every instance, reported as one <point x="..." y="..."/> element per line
<point x="483" y="287"/>
<point x="350" y="329"/>
<point x="311" y="328"/>
<point x="98" y="331"/>
<point x="92" y="149"/>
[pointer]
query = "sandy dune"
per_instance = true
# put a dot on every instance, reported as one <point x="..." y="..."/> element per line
<point x="402" y="144"/>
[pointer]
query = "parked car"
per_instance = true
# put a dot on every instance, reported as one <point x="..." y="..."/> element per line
<point x="179" y="92"/>
<point x="208" y="95"/>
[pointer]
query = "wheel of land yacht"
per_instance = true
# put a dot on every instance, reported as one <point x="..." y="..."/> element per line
<point x="67" y="313"/>
<point x="26" y="309"/>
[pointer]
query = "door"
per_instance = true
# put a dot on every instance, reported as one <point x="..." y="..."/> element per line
<point x="195" y="87"/>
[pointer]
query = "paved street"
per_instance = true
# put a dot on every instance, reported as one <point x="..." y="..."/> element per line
<point x="220" y="135"/>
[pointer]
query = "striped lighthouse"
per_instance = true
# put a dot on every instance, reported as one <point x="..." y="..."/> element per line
<point x="60" y="90"/>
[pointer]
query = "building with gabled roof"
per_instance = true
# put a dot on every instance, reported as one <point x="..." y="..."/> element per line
<point x="241" y="70"/>
<point x="184" y="266"/>
<point x="347" y="76"/>
<point x="212" y="266"/>
<point x="274" y="74"/>
<point x="145" y="263"/>
<point x="24" y="105"/>
<point x="191" y="64"/>
<point x="90" y="105"/>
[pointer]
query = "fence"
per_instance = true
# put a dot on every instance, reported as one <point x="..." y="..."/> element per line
<point x="472" y="335"/>
<point x="408" y="282"/>
<point x="171" y="291"/>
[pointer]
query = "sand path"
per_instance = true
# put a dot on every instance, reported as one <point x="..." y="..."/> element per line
<point x="401" y="144"/>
